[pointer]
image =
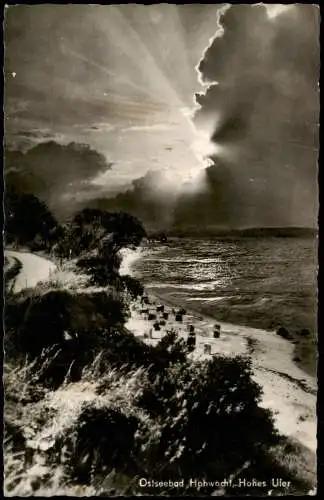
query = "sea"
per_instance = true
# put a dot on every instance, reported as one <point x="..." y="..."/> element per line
<point x="260" y="282"/>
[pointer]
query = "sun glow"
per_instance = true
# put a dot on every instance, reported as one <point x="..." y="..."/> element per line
<point x="275" y="10"/>
<point x="129" y="90"/>
<point x="155" y="100"/>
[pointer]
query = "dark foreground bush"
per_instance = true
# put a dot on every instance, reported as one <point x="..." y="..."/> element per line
<point x="173" y="418"/>
<point x="105" y="440"/>
<point x="189" y="421"/>
<point x="45" y="319"/>
<point x="121" y="350"/>
<point x="60" y="328"/>
<point x="207" y="409"/>
<point x="13" y="435"/>
<point x="65" y="332"/>
<point x="284" y="333"/>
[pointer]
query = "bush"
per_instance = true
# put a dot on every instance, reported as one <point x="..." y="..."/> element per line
<point x="13" y="436"/>
<point x="284" y="333"/>
<point x="133" y="286"/>
<point x="61" y="328"/>
<point x="206" y="411"/>
<point x="105" y="440"/>
<point x="102" y="270"/>
<point x="198" y="424"/>
<point x="169" y="350"/>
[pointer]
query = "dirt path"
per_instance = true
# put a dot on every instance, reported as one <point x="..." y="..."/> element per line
<point x="33" y="270"/>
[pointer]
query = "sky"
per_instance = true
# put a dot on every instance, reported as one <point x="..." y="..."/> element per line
<point x="184" y="115"/>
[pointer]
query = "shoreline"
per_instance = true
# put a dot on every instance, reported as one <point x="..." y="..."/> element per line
<point x="243" y="328"/>
<point x="287" y="390"/>
<point x="304" y="348"/>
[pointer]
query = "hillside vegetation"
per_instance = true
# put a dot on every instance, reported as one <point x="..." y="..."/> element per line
<point x="90" y="409"/>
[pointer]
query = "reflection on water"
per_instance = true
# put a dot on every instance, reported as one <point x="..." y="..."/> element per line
<point x="262" y="282"/>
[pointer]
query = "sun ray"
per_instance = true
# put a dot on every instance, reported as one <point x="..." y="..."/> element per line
<point x="132" y="77"/>
<point x="152" y="72"/>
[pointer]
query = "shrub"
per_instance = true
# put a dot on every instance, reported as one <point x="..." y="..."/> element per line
<point x="105" y="440"/>
<point x="305" y="333"/>
<point x="13" y="436"/>
<point x="188" y="420"/>
<point x="283" y="332"/>
<point x="102" y="270"/>
<point x="206" y="410"/>
<point x="61" y="328"/>
<point x="133" y="286"/>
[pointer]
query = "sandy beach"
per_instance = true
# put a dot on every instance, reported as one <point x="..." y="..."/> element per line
<point x="287" y="390"/>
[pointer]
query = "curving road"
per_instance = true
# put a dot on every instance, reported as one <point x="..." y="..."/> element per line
<point x="34" y="269"/>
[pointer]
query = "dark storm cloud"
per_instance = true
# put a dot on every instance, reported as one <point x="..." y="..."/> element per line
<point x="265" y="115"/>
<point x="144" y="200"/>
<point x="265" y="108"/>
<point x="50" y="170"/>
<point x="219" y="205"/>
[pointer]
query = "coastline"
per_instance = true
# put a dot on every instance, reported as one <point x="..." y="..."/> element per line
<point x="304" y="348"/>
<point x="287" y="390"/>
<point x="245" y="327"/>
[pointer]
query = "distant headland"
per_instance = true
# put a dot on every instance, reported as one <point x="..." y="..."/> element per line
<point x="251" y="232"/>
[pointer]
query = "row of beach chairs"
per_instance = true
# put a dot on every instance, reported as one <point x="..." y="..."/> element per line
<point x="160" y="316"/>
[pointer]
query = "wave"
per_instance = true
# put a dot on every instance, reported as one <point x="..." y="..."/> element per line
<point x="208" y="299"/>
<point x="190" y="286"/>
<point x="186" y="260"/>
<point x="129" y="257"/>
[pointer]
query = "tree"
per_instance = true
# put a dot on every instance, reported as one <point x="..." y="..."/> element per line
<point x="27" y="219"/>
<point x="104" y="231"/>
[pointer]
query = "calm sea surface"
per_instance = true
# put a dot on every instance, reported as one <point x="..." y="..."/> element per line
<point x="262" y="282"/>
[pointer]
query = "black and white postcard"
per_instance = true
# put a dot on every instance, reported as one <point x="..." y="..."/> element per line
<point x="160" y="249"/>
